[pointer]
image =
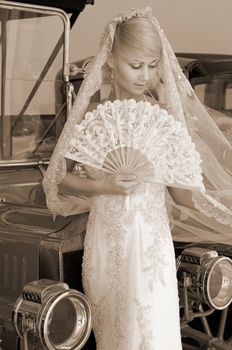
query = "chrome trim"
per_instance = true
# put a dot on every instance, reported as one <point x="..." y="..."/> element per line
<point x="21" y="184"/>
<point x="20" y="163"/>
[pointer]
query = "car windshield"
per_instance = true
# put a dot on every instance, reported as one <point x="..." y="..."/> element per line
<point x="31" y="87"/>
<point x="215" y="92"/>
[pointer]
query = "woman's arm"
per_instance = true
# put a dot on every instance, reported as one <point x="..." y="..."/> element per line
<point x="73" y="184"/>
<point x="181" y="197"/>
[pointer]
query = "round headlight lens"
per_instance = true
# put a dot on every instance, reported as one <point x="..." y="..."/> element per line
<point x="64" y="322"/>
<point x="218" y="283"/>
<point x="52" y="316"/>
<point x="205" y="276"/>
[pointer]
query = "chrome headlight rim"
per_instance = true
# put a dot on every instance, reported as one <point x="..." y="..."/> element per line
<point x="15" y="317"/>
<point x="43" y="306"/>
<point x="207" y="274"/>
<point x="46" y="311"/>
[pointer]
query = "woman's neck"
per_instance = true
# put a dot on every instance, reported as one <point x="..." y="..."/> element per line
<point x="122" y="96"/>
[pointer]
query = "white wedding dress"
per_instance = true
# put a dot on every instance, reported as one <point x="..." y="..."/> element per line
<point x="129" y="272"/>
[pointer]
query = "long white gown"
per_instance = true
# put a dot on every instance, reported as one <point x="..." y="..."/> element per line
<point x="129" y="272"/>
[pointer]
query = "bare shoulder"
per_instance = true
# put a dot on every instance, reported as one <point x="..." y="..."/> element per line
<point x="153" y="102"/>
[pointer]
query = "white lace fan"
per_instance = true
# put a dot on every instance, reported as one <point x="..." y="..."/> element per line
<point x="129" y="137"/>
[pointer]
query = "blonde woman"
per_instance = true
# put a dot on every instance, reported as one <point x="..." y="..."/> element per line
<point x="129" y="272"/>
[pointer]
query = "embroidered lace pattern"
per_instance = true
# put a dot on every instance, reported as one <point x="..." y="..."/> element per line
<point x="127" y="266"/>
<point x="143" y="319"/>
<point x="145" y="140"/>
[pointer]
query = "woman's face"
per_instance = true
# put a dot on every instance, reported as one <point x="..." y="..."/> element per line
<point x="132" y="72"/>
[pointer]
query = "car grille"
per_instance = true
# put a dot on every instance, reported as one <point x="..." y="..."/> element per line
<point x="72" y="269"/>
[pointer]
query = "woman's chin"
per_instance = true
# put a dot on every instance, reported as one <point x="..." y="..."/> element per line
<point x="136" y="93"/>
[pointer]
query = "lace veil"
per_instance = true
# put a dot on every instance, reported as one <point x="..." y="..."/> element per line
<point x="210" y="218"/>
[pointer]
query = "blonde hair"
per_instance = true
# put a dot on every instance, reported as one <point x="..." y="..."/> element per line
<point x="137" y="33"/>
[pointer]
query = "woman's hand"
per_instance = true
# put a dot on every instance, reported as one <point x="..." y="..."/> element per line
<point x="118" y="184"/>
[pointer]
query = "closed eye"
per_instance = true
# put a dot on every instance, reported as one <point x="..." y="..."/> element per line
<point x="135" y="66"/>
<point x="138" y="66"/>
<point x="154" y="64"/>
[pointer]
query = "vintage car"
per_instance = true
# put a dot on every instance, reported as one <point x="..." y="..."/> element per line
<point x="39" y="290"/>
<point x="42" y="305"/>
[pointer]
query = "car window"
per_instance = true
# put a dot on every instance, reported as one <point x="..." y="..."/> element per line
<point x="30" y="89"/>
<point x="216" y="92"/>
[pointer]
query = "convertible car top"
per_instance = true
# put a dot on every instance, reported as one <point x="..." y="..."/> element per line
<point x="70" y="6"/>
<point x="198" y="65"/>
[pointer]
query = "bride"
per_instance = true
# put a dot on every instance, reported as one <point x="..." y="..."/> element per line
<point x="129" y="272"/>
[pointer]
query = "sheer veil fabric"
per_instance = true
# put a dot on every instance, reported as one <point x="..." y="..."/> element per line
<point x="211" y="217"/>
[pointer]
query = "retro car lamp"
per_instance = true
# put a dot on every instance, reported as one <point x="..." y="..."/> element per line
<point x="51" y="316"/>
<point x="205" y="277"/>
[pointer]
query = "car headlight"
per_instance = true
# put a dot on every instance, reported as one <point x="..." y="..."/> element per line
<point x="52" y="315"/>
<point x="209" y="277"/>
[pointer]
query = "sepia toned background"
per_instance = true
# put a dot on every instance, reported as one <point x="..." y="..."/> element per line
<point x="200" y="26"/>
<point x="191" y="25"/>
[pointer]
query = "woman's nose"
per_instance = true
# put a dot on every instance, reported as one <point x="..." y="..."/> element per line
<point x="144" y="73"/>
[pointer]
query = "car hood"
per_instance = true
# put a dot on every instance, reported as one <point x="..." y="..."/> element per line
<point x="23" y="218"/>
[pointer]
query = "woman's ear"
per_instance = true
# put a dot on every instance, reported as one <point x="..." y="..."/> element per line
<point x="110" y="60"/>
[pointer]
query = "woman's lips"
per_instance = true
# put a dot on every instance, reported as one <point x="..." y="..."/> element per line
<point x="141" y="85"/>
